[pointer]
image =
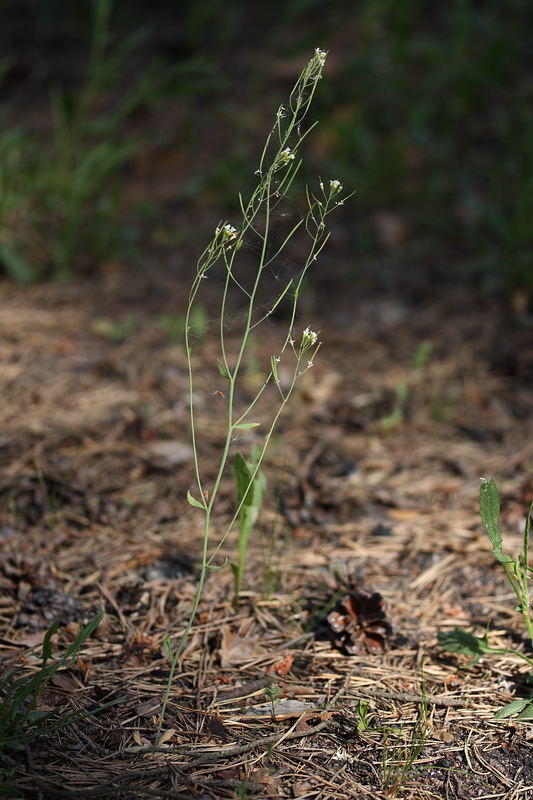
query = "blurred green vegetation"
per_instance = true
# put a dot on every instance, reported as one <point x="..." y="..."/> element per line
<point x="426" y="111"/>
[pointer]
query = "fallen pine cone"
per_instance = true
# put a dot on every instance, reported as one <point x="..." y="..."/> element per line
<point x="359" y="623"/>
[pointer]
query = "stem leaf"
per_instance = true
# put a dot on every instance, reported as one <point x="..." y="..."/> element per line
<point x="461" y="641"/>
<point x="243" y="478"/>
<point x="192" y="500"/>
<point x="223" y="370"/>
<point x="489" y="506"/>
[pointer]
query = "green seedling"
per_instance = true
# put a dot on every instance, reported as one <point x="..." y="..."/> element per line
<point x="61" y="194"/>
<point x="401" y="748"/>
<point x="174" y="325"/>
<point x="115" y="330"/>
<point x="422" y="355"/>
<point x="403" y="389"/>
<point x="20" y="690"/>
<point x="273" y="694"/>
<point x="363" y="716"/>
<point x="397" y="415"/>
<point x="517" y="571"/>
<point x="251" y="487"/>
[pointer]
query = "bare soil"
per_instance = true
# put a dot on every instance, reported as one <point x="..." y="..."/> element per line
<point x="372" y="488"/>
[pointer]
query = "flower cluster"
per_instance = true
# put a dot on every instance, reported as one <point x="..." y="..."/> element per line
<point x="309" y="338"/>
<point x="309" y="341"/>
<point x="320" y="55"/>
<point x="285" y="157"/>
<point x="335" y="187"/>
<point x="228" y="232"/>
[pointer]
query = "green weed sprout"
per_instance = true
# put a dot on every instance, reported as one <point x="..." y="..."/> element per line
<point x="401" y="749"/>
<point x="61" y="198"/>
<point x="20" y="690"/>
<point x="251" y="488"/>
<point x="278" y="167"/>
<point x="517" y="571"/>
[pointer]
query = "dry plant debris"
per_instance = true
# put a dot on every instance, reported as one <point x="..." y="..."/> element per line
<point x="94" y="471"/>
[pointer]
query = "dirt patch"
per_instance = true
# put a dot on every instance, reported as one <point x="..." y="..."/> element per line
<point x="373" y="487"/>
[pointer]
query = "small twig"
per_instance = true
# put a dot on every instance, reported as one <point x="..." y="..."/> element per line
<point x="416" y="698"/>
<point x="264" y="741"/>
<point x="342" y="689"/>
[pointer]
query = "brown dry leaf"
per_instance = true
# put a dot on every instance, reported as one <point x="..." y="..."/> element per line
<point x="270" y="782"/>
<point x="64" y="680"/>
<point x="235" y="649"/>
<point x="139" y="740"/>
<point x="282" y="710"/>
<point x="302" y="789"/>
<point x="149" y="708"/>
<point x="166" y="736"/>
<point x="29" y="640"/>
<point x="283" y="666"/>
<point x="444" y="735"/>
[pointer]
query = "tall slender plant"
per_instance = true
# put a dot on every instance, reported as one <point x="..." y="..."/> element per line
<point x="278" y="167"/>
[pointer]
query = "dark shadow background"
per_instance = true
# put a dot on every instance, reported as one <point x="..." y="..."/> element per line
<point x="425" y="111"/>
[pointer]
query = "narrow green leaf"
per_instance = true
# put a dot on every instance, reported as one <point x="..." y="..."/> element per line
<point x="514" y="707"/>
<point x="274" y="367"/>
<point x="223" y="370"/>
<point x="527" y="713"/>
<point x="194" y="502"/>
<point x="83" y="635"/>
<point x="249" y="518"/>
<point x="167" y="647"/>
<point x="47" y="642"/>
<point x="243" y="478"/>
<point x="527" y="532"/>
<point x="489" y="506"/>
<point x="35" y="717"/>
<point x="246" y="426"/>
<point x="14" y="745"/>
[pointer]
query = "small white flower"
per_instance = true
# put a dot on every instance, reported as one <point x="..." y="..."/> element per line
<point x="321" y="56"/>
<point x="309" y="340"/>
<point x="309" y="337"/>
<point x="280" y="112"/>
<point x="228" y="232"/>
<point x="278" y="359"/>
<point x="309" y="364"/>
<point x="335" y="186"/>
<point x="287" y="154"/>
